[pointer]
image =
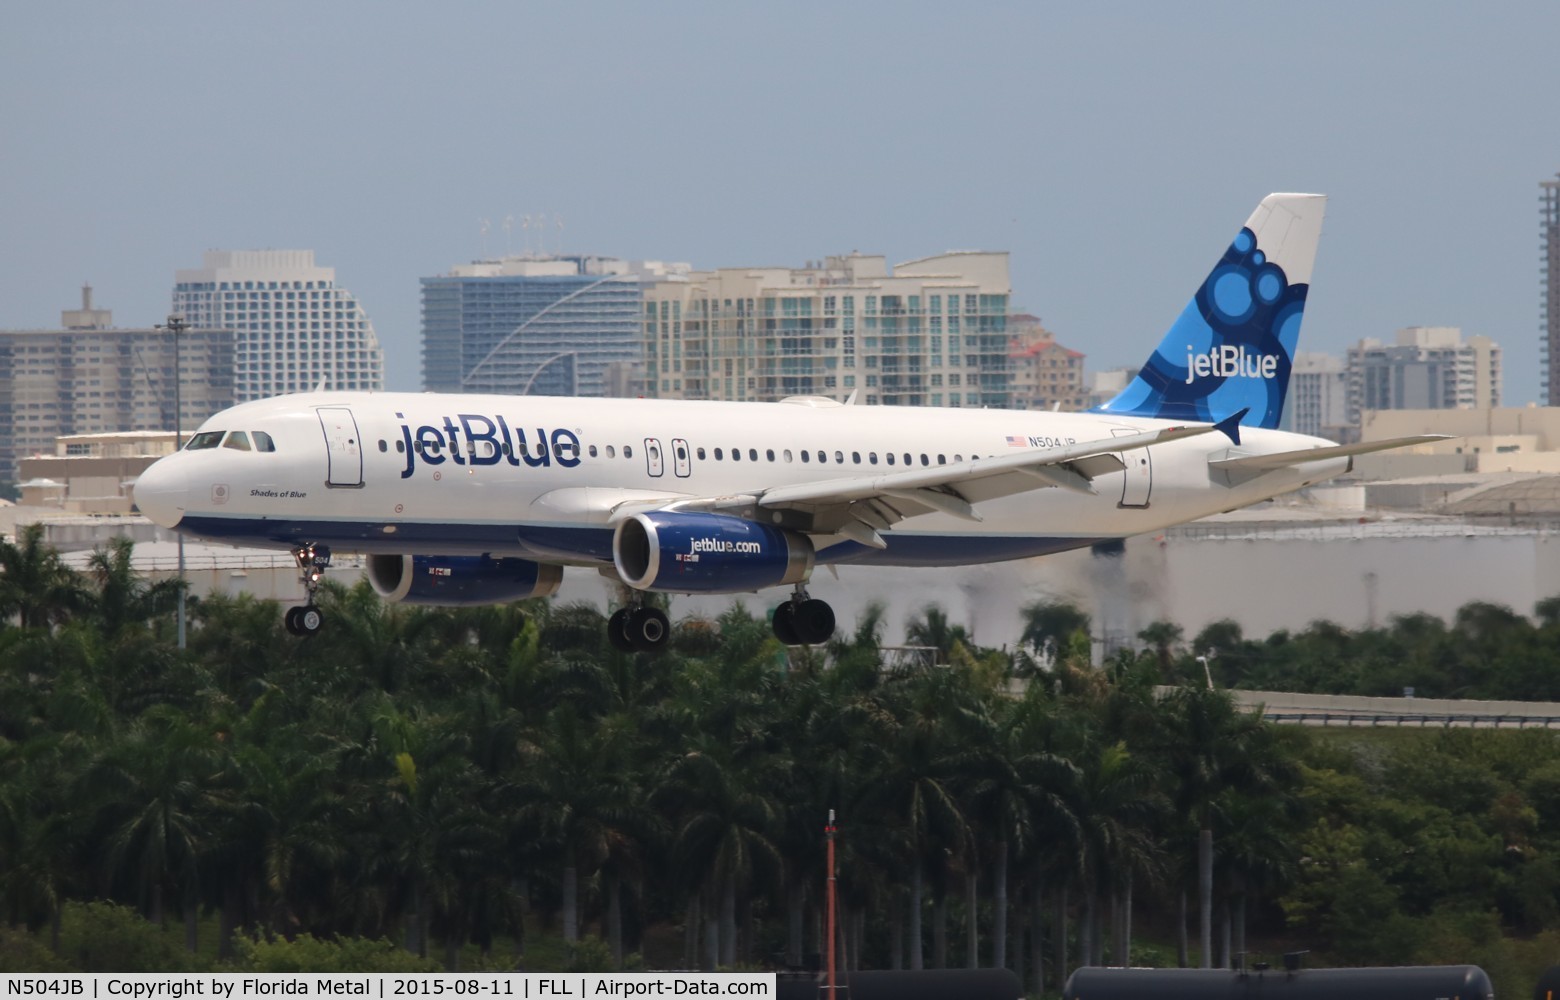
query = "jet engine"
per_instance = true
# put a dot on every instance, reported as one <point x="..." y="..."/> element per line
<point x="690" y="553"/>
<point x="460" y="580"/>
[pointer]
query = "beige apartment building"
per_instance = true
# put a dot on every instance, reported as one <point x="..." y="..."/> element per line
<point x="1046" y="375"/>
<point x="90" y="377"/>
<point x="929" y="332"/>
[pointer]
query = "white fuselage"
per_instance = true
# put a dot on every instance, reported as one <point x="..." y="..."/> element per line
<point x="449" y="475"/>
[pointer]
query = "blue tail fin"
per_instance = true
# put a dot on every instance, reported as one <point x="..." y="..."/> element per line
<point x="1232" y="345"/>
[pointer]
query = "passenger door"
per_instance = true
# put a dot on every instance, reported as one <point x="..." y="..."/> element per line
<point x="345" y="455"/>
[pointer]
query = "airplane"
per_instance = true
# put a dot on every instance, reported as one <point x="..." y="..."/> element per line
<point x="471" y="499"/>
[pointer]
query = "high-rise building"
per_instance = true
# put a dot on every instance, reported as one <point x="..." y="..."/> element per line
<point x="928" y="332"/>
<point x="1428" y="368"/>
<point x="1318" y="400"/>
<point x="295" y="329"/>
<point x="1549" y="284"/>
<point x="538" y="325"/>
<point x="89" y="377"/>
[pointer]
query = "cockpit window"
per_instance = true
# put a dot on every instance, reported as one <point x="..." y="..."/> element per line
<point x="238" y="441"/>
<point x="263" y="441"/>
<point x="205" y="439"/>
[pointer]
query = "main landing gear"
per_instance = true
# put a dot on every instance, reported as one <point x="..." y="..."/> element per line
<point x="803" y="620"/>
<point x="638" y="629"/>
<point x="312" y="562"/>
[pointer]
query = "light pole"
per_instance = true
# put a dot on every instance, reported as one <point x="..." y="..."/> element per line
<point x="1208" y="674"/>
<point x="176" y="326"/>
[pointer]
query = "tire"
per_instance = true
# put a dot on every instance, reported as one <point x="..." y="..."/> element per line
<point x="784" y="624"/>
<point x="291" y="620"/>
<point x="814" y="621"/>
<point x="617" y="631"/>
<point x="649" y="629"/>
<point x="309" y="620"/>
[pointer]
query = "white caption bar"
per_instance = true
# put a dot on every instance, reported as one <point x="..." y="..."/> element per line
<point x="389" y="986"/>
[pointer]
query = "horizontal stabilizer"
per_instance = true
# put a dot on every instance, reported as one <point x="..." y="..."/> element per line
<point x="1283" y="459"/>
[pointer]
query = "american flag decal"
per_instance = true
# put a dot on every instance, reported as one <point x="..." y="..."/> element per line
<point x="1017" y="441"/>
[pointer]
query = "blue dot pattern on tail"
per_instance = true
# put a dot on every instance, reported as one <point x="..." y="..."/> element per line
<point x="1230" y="349"/>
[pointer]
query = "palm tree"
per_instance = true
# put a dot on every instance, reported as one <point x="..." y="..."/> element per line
<point x="158" y="793"/>
<point x="122" y="598"/>
<point x="1049" y="627"/>
<point x="1209" y="748"/>
<point x="1164" y="637"/>
<point x="36" y="587"/>
<point x="725" y="818"/>
<point x="933" y="629"/>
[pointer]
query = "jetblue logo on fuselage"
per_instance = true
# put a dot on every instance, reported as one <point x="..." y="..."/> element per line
<point x="1229" y="361"/>
<point x="475" y="439"/>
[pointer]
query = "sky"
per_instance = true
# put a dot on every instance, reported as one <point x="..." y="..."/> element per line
<point x="1112" y="149"/>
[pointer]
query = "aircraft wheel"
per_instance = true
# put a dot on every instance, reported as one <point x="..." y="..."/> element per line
<point x="308" y="620"/>
<point x="291" y="620"/>
<point x="617" y="631"/>
<point x="784" y="624"/>
<point x="648" y="629"/>
<point x="814" y="621"/>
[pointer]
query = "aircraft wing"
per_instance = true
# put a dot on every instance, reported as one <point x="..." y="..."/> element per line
<point x="1279" y="460"/>
<point x="858" y="506"/>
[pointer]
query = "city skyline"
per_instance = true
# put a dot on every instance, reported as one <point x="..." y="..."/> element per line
<point x="1108" y="155"/>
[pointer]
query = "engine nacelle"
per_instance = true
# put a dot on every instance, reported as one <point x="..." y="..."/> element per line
<point x="707" y="554"/>
<point x="451" y="581"/>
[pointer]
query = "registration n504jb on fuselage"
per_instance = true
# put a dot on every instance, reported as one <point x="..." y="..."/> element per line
<point x="460" y="499"/>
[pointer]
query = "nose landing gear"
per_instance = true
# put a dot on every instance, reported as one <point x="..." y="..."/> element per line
<point x="312" y="561"/>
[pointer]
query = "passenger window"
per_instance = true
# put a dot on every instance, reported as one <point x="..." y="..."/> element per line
<point x="872" y="458"/>
<point x="719" y="455"/>
<point x="506" y="449"/>
<point x="204" y="440"/>
<point x="611" y="451"/>
<point x="924" y="459"/>
<point x="655" y="454"/>
<point x="942" y="460"/>
<point x="628" y="451"/>
<point x="786" y="454"/>
<point x="855" y="457"/>
<point x="958" y="458"/>
<point x="400" y="446"/>
<point x="890" y="457"/>
<point x="682" y="453"/>
<point x="770" y="454"/>
<point x="839" y="457"/>
<point x="238" y="441"/>
<point x="263" y="442"/>
<point x="907" y="458"/>
<point x="592" y="450"/>
<point x="701" y="454"/>
<point x="805" y="457"/>
<point x="382" y="446"/>
<point x="752" y="454"/>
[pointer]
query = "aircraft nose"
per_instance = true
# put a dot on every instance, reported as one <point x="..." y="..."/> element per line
<point x="162" y="491"/>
